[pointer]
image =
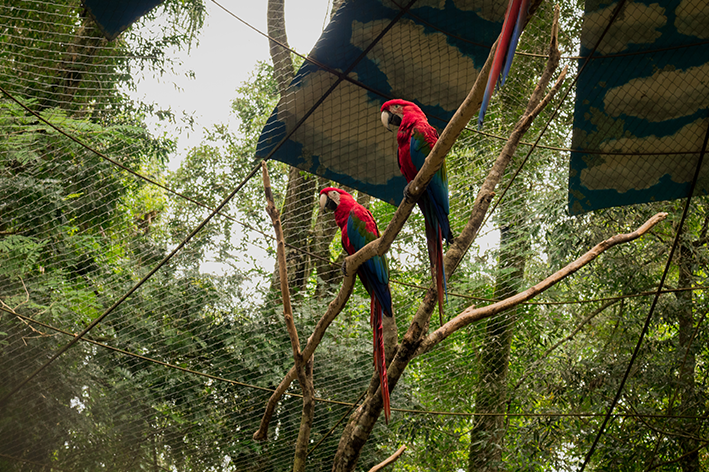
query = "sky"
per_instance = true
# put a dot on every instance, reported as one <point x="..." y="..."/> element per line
<point x="225" y="56"/>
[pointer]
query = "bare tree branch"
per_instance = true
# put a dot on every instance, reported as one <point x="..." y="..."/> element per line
<point x="363" y="419"/>
<point x="472" y="314"/>
<point x="262" y="433"/>
<point x="390" y="460"/>
<point x="303" y="369"/>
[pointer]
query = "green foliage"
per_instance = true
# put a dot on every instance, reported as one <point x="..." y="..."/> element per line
<point x="77" y="231"/>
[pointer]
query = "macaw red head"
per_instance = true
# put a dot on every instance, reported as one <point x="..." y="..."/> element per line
<point x="393" y="112"/>
<point x="330" y="198"/>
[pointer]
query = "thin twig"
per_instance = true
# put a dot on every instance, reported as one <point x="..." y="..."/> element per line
<point x="390" y="460"/>
<point x="282" y="270"/>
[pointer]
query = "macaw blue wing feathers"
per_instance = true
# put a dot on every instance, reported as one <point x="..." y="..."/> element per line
<point x="374" y="271"/>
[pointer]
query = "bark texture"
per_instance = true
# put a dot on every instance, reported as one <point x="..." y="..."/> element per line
<point x="487" y="436"/>
<point x="688" y="401"/>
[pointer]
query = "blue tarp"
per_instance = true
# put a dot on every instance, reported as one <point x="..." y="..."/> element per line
<point x="431" y="55"/>
<point x="114" y="16"/>
<point x="642" y="104"/>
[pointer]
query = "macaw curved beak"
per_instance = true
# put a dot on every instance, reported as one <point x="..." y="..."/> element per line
<point x="327" y="202"/>
<point x="389" y="118"/>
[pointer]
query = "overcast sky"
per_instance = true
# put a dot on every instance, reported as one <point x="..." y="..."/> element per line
<point x="227" y="52"/>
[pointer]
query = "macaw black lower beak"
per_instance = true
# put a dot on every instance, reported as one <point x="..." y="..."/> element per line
<point x="395" y="120"/>
<point x="331" y="205"/>
<point x="389" y="118"/>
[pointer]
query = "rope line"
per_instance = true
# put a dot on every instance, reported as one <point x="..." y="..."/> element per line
<point x="336" y="402"/>
<point x="657" y="295"/>
<point x="165" y="260"/>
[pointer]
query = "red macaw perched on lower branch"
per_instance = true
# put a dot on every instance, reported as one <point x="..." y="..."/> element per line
<point x="359" y="228"/>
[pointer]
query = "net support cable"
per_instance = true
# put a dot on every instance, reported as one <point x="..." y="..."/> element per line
<point x="646" y="326"/>
<point x="165" y="260"/>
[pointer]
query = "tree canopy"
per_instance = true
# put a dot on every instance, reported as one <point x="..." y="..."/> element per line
<point x="177" y="375"/>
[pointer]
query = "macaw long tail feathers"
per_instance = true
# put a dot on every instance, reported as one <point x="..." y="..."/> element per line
<point x="434" y="238"/>
<point x="440" y="274"/>
<point x="519" y="24"/>
<point x="380" y="357"/>
<point x="511" y="29"/>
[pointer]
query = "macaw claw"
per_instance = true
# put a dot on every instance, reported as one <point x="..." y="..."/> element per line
<point x="344" y="268"/>
<point x="407" y="194"/>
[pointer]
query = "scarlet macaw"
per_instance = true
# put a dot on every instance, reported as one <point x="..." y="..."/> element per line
<point x="515" y="17"/>
<point x="416" y="138"/>
<point x="359" y="228"/>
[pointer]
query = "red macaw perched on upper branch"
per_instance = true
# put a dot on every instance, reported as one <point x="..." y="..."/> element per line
<point x="359" y="228"/>
<point x="515" y="18"/>
<point x="416" y="138"/>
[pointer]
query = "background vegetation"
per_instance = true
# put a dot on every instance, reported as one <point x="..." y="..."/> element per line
<point x="177" y="376"/>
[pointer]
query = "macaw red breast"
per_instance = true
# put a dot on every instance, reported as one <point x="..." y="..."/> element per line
<point x="414" y="123"/>
<point x="342" y="213"/>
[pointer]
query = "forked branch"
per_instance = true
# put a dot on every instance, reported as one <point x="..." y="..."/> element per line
<point x="333" y="309"/>
<point x="363" y="419"/>
<point x="472" y="314"/>
<point x="303" y="369"/>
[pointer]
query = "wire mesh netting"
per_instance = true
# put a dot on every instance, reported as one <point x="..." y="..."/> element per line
<point x="169" y="276"/>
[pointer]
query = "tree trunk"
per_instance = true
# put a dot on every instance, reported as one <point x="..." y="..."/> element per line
<point x="686" y="362"/>
<point x="486" y="437"/>
<point x="77" y="60"/>
<point x="282" y="61"/>
<point x="297" y="223"/>
<point x="300" y="198"/>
